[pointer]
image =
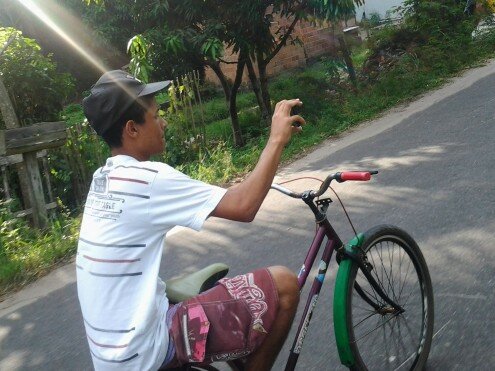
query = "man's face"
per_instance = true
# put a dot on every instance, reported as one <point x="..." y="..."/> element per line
<point x="151" y="133"/>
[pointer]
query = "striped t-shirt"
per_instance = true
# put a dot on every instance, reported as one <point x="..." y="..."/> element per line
<point x="130" y="207"/>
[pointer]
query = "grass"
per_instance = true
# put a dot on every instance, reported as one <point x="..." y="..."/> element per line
<point x="330" y="107"/>
<point x="27" y="254"/>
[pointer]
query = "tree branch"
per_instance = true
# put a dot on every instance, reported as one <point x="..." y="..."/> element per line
<point x="6" y="45"/>
<point x="223" y="79"/>
<point x="283" y="41"/>
<point x="224" y="61"/>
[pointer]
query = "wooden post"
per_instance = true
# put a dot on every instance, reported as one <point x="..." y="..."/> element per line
<point x="28" y="141"/>
<point x="3" y="149"/>
<point x="6" y="188"/>
<point x="46" y="173"/>
<point x="40" y="215"/>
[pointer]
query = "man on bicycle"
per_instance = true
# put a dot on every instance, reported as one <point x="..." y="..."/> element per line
<point x="131" y="205"/>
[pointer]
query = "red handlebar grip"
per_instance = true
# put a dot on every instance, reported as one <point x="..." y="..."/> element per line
<point x="355" y="175"/>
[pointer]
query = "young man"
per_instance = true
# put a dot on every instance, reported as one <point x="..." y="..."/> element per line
<point x="132" y="204"/>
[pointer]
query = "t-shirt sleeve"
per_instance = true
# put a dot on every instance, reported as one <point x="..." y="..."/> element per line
<point x="176" y="199"/>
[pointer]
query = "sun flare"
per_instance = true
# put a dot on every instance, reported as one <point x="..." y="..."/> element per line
<point x="40" y="13"/>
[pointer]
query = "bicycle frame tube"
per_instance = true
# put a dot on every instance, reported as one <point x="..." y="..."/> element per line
<point x="311" y="256"/>
<point x="333" y="242"/>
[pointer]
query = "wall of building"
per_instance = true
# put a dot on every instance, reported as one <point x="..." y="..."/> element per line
<point x="316" y="41"/>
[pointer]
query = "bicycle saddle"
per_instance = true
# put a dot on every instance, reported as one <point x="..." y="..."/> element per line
<point x="183" y="288"/>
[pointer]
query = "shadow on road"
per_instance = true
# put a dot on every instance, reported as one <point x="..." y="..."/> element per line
<point x="436" y="181"/>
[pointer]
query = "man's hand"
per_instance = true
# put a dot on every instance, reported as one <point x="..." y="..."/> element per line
<point x="243" y="201"/>
<point x="283" y="124"/>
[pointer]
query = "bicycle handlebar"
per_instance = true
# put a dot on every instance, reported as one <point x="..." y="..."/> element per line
<point x="339" y="177"/>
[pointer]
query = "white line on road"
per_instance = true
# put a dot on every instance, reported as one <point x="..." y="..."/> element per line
<point x="441" y="328"/>
<point x="461" y="296"/>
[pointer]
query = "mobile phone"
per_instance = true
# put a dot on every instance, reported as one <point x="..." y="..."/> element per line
<point x="296" y="110"/>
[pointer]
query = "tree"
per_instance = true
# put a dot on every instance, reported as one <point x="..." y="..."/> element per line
<point x="198" y="30"/>
<point x="246" y="26"/>
<point x="36" y="89"/>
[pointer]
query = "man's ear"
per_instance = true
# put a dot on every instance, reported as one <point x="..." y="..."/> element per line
<point x="130" y="129"/>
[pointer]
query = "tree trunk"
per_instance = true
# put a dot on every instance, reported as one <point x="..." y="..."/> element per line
<point x="7" y="110"/>
<point x="223" y="79"/>
<point x="236" y="127"/>
<point x="264" y="83"/>
<point x="348" y="61"/>
<point x="265" y="112"/>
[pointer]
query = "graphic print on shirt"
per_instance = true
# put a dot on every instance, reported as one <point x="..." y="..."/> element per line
<point x="100" y="204"/>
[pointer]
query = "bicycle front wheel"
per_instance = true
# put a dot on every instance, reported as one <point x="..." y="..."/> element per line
<point x="380" y="337"/>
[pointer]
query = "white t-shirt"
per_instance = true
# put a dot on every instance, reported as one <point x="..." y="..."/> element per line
<point x="130" y="207"/>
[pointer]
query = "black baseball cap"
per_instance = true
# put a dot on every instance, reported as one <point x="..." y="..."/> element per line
<point x="112" y="95"/>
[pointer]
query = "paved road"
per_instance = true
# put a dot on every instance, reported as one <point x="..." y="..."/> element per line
<point x="437" y="180"/>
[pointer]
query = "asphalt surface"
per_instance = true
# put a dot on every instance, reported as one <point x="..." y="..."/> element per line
<point x="437" y="181"/>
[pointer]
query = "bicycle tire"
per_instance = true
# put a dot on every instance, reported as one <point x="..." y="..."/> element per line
<point x="384" y="346"/>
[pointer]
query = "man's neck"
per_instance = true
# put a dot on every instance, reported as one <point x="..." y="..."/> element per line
<point x="123" y="151"/>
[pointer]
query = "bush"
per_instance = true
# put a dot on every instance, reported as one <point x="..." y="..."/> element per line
<point x="72" y="166"/>
<point x="36" y="89"/>
<point x="434" y="37"/>
<point x="27" y="253"/>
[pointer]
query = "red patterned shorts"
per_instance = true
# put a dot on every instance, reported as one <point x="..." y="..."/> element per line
<point x="229" y="321"/>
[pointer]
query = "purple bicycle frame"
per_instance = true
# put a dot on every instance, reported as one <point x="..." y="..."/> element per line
<point x="333" y="242"/>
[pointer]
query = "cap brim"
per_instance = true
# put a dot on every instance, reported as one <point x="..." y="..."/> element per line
<point x="154" y="87"/>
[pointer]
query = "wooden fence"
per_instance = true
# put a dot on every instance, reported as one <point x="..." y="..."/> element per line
<point x="77" y="159"/>
<point x="68" y="169"/>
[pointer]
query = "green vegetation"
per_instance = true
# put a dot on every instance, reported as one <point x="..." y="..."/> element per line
<point x="27" y="254"/>
<point x="37" y="90"/>
<point x="398" y="63"/>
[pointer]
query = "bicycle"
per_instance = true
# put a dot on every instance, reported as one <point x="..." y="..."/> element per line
<point x="368" y="296"/>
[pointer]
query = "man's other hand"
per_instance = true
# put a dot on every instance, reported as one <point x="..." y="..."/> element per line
<point x="283" y="124"/>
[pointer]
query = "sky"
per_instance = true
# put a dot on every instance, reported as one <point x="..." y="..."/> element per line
<point x="380" y="6"/>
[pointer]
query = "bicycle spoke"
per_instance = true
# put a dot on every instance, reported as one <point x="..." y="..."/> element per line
<point x="377" y="298"/>
<point x="381" y="325"/>
<point x="392" y="333"/>
<point x="411" y="335"/>
<point x="408" y="296"/>
<point x="386" y="275"/>
<point x="376" y="276"/>
<point x="405" y="278"/>
<point x="400" y="343"/>
<point x="380" y="256"/>
<point x="399" y="274"/>
<point x="407" y="360"/>
<point x="383" y="271"/>
<point x="400" y="339"/>
<point x="387" y="355"/>
<point x="390" y="284"/>
<point x="385" y="339"/>
<point x="364" y="319"/>
<point x="391" y="269"/>
<point x="364" y="309"/>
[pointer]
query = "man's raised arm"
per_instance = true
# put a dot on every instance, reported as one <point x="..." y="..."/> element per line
<point x="242" y="201"/>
